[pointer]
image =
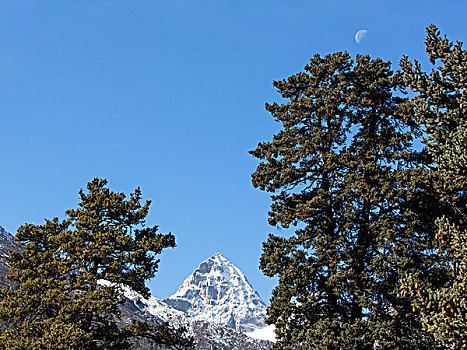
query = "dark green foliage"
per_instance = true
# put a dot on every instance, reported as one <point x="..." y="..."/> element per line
<point x="342" y="172"/>
<point x="60" y="303"/>
<point x="440" y="107"/>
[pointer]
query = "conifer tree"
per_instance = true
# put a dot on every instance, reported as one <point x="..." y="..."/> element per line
<point x="439" y="105"/>
<point x="61" y="302"/>
<point x="339" y="171"/>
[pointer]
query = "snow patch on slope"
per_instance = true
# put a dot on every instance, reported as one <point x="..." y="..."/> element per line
<point x="152" y="305"/>
<point x="266" y="333"/>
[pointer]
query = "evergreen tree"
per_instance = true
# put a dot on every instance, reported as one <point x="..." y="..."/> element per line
<point x="61" y="302"/>
<point x="439" y="105"/>
<point x="340" y="170"/>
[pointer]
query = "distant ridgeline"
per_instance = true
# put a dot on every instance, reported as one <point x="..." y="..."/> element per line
<point x="6" y="242"/>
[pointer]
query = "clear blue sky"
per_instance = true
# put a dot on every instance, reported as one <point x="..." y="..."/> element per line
<point x="169" y="96"/>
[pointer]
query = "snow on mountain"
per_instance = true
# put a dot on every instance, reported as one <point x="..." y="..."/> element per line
<point x="267" y="333"/>
<point x="153" y="306"/>
<point x="206" y="334"/>
<point x="217" y="291"/>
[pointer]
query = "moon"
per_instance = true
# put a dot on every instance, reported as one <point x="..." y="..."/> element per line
<point x="360" y="35"/>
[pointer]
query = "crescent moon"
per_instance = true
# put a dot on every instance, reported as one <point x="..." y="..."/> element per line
<point x="360" y="35"/>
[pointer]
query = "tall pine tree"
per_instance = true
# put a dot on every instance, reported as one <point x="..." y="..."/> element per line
<point x="440" y="107"/>
<point x="339" y="171"/>
<point x="60" y="302"/>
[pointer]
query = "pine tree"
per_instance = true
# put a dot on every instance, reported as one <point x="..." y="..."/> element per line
<point x="439" y="105"/>
<point x="61" y="302"/>
<point x="340" y="170"/>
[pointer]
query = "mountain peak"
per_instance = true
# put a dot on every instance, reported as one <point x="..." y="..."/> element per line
<point x="217" y="291"/>
<point x="6" y="235"/>
<point x="219" y="255"/>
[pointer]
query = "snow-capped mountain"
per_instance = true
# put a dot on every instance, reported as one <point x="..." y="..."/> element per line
<point x="207" y="335"/>
<point x="218" y="292"/>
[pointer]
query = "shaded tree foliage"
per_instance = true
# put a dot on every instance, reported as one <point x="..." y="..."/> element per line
<point x="342" y="172"/>
<point x="440" y="108"/>
<point x="60" y="302"/>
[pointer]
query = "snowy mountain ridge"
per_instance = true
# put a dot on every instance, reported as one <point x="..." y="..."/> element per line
<point x="218" y="292"/>
<point x="207" y="335"/>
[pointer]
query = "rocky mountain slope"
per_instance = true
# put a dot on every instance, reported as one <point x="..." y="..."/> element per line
<point x="208" y="335"/>
<point x="6" y="242"/>
<point x="218" y="292"/>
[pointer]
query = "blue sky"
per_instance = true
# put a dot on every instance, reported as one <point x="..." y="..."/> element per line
<point x="169" y="96"/>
